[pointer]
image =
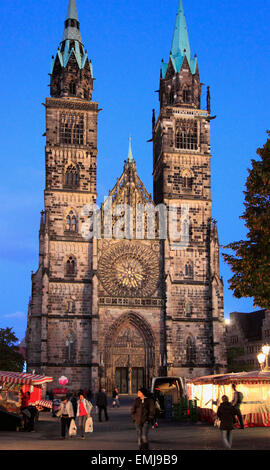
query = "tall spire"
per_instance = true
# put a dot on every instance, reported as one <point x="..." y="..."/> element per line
<point x="180" y="44"/>
<point x="72" y="11"/>
<point x="130" y="155"/>
<point x="72" y="25"/>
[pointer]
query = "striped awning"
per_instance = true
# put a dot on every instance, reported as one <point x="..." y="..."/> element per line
<point x="254" y="377"/>
<point x="45" y="403"/>
<point x="23" y="378"/>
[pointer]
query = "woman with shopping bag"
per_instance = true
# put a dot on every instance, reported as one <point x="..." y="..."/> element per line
<point x="66" y="414"/>
<point x="83" y="414"/>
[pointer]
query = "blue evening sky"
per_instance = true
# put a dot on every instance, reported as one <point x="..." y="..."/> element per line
<point x="126" y="41"/>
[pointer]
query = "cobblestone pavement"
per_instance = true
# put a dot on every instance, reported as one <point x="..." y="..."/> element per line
<point x="119" y="434"/>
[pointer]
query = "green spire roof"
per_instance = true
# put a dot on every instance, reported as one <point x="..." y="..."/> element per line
<point x="72" y="10"/>
<point x="180" y="45"/>
<point x="130" y="155"/>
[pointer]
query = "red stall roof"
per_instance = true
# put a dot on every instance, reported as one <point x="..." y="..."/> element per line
<point x="23" y="378"/>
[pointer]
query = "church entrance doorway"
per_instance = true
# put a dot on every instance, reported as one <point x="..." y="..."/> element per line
<point x="129" y="359"/>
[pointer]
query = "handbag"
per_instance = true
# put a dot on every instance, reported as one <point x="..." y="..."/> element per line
<point x="217" y="423"/>
<point x="72" y="428"/>
<point x="89" y="425"/>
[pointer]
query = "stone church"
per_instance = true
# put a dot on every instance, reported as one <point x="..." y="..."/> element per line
<point x="119" y="309"/>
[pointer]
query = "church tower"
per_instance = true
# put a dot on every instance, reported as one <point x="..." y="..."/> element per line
<point x="182" y="181"/>
<point x="59" y="330"/>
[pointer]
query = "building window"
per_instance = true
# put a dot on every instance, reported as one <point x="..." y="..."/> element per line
<point x="187" y="180"/>
<point x="188" y="309"/>
<point x="71" y="266"/>
<point x="72" y="176"/>
<point x="72" y="129"/>
<point x="72" y="88"/>
<point x="186" y="137"/>
<point x="186" y="95"/>
<point x="190" y="350"/>
<point x="188" y="270"/>
<point x="70" y="304"/>
<point x="72" y="222"/>
<point x="70" y="347"/>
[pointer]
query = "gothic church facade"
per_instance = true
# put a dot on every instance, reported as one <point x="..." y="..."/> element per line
<point x="117" y="311"/>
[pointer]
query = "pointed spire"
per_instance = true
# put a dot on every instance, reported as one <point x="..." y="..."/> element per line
<point x="72" y="25"/>
<point x="130" y="155"/>
<point x="72" y="10"/>
<point x="180" y="45"/>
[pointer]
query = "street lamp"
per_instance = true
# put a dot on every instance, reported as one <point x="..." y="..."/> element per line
<point x="263" y="358"/>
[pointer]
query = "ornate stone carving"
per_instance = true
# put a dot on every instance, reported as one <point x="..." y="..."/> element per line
<point x="129" y="270"/>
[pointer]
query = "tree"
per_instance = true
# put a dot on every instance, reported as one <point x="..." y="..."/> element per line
<point x="251" y="263"/>
<point x="10" y="358"/>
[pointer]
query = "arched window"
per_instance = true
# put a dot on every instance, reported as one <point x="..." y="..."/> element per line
<point x="187" y="180"/>
<point x="71" y="266"/>
<point x="72" y="176"/>
<point x="186" y="95"/>
<point x="190" y="350"/>
<point x="72" y="222"/>
<point x="72" y="88"/>
<point x="186" y="135"/>
<point x="70" y="347"/>
<point x="70" y="304"/>
<point x="188" y="269"/>
<point x="188" y="309"/>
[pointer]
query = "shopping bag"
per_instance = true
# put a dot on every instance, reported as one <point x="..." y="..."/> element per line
<point x="217" y="423"/>
<point x="89" y="425"/>
<point x="72" y="428"/>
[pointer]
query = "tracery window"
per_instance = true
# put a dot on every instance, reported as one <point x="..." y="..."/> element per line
<point x="188" y="269"/>
<point x="190" y="350"/>
<point x="71" y="266"/>
<point x="71" y="222"/>
<point x="70" y="347"/>
<point x="186" y="95"/>
<point x="187" y="179"/>
<point x="186" y="137"/>
<point x="72" y="129"/>
<point x="72" y="176"/>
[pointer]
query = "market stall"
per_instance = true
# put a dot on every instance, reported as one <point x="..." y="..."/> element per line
<point x="18" y="391"/>
<point x="255" y="387"/>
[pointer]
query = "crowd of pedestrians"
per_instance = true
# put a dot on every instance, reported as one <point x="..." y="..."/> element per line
<point x="76" y="409"/>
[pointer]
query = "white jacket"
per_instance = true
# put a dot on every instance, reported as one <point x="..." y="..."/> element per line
<point x="87" y="405"/>
<point x="68" y="410"/>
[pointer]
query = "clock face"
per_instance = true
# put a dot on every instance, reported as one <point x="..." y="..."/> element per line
<point x="129" y="270"/>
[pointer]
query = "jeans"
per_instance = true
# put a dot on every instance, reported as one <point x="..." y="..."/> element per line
<point x="82" y="421"/>
<point x="142" y="434"/>
<point x="65" y="423"/>
<point x="239" y="415"/>
<point x="227" y="438"/>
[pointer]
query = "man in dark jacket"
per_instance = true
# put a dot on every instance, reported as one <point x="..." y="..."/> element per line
<point x="142" y="413"/>
<point x="102" y="403"/>
<point x="226" y="413"/>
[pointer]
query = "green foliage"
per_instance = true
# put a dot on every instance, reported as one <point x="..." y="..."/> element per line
<point x="251" y="263"/>
<point x="10" y="358"/>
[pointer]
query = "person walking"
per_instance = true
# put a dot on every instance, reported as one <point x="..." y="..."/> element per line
<point x="236" y="402"/>
<point x="84" y="408"/>
<point x="102" y="403"/>
<point x="142" y="413"/>
<point x="74" y="402"/>
<point x="115" y="396"/>
<point x="66" y="414"/>
<point x="226" y="413"/>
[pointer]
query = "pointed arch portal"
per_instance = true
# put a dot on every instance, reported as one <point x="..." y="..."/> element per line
<point x="129" y="354"/>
